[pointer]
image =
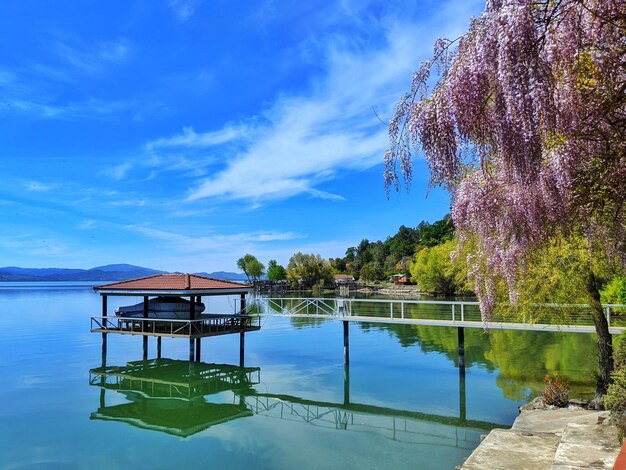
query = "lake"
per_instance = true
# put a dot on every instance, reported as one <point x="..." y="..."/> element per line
<point x="401" y="404"/>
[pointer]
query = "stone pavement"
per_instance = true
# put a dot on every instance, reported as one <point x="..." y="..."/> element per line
<point x="560" y="439"/>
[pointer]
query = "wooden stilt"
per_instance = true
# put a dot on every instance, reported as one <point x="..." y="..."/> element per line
<point x="191" y="349"/>
<point x="104" y="324"/>
<point x="461" y="341"/>
<point x="346" y="343"/>
<point x="159" y="347"/>
<point x="144" y="325"/>
<point x="198" y="348"/>
<point x="346" y="384"/>
<point x="242" y="344"/>
<point x="462" y="395"/>
<point x="243" y="303"/>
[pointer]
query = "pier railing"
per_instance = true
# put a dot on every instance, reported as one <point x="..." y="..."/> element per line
<point x="462" y="313"/>
<point x="206" y="325"/>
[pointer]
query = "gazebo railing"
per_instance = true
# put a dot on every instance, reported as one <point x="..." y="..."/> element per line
<point x="207" y="324"/>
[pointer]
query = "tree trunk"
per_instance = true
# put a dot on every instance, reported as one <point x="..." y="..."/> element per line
<point x="605" y="345"/>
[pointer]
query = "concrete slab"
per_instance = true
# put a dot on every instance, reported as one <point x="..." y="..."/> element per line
<point x="554" y="421"/>
<point x="584" y="456"/>
<point x="587" y="446"/>
<point x="506" y="450"/>
<point x="599" y="435"/>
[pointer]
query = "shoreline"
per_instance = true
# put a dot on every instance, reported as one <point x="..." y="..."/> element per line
<point x="549" y="438"/>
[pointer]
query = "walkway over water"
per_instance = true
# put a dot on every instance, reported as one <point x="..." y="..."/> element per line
<point x="460" y="314"/>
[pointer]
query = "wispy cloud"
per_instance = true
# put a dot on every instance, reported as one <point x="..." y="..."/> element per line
<point x="184" y="9"/>
<point x="189" y="138"/>
<point x="37" y="88"/>
<point x="117" y="172"/>
<point x="90" y="59"/>
<point x="37" y="186"/>
<point x="186" y="243"/>
<point x="303" y="140"/>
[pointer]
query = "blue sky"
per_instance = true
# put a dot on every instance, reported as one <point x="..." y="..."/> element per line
<point x="182" y="134"/>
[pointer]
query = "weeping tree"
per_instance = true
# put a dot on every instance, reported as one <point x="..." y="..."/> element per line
<point x="523" y="120"/>
<point x="251" y="267"/>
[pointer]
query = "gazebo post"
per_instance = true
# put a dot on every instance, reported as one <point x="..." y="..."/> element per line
<point x="346" y="344"/>
<point x="243" y="303"/>
<point x="192" y="316"/>
<point x="143" y="327"/>
<point x="242" y="344"/>
<point x="198" y="347"/>
<point x="104" y="325"/>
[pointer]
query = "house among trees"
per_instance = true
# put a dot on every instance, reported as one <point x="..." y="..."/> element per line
<point x="401" y="280"/>
<point x="344" y="279"/>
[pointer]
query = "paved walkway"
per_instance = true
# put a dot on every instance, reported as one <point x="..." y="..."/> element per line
<point x="563" y="439"/>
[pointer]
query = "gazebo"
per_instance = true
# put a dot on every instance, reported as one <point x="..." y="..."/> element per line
<point x="196" y="327"/>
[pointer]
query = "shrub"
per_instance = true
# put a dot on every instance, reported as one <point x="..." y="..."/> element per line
<point x="556" y="391"/>
<point x="615" y="401"/>
<point x="615" y="398"/>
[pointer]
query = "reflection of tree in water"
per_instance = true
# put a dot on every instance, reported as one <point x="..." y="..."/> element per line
<point x="300" y="323"/>
<point x="522" y="358"/>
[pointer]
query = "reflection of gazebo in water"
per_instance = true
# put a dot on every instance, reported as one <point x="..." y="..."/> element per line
<point x="171" y="396"/>
<point x="183" y="398"/>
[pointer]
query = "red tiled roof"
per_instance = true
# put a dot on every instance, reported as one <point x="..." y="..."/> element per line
<point x="175" y="282"/>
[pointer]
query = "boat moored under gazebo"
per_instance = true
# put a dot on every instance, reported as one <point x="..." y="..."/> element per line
<point x="193" y="326"/>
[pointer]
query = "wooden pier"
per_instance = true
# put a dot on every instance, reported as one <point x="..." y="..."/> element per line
<point x="451" y="314"/>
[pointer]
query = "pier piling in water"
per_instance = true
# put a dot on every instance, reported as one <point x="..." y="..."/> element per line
<point x="346" y="343"/>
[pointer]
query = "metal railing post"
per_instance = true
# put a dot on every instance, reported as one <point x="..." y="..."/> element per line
<point x="453" y="312"/>
<point x="462" y="312"/>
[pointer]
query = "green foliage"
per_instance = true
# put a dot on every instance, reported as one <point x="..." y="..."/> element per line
<point x="521" y="359"/>
<point x="309" y="270"/>
<point x="556" y="391"/>
<point x="275" y="272"/>
<point x="252" y="267"/>
<point x="558" y="272"/>
<point x="615" y="398"/>
<point x="381" y="259"/>
<point x="615" y="401"/>
<point x="615" y="291"/>
<point x="436" y="272"/>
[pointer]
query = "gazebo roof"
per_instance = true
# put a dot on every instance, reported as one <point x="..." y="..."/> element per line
<point x="173" y="284"/>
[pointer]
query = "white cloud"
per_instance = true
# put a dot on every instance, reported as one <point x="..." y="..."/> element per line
<point x="304" y="140"/>
<point x="189" y="138"/>
<point x="186" y="243"/>
<point x="184" y="9"/>
<point x="37" y="186"/>
<point x="118" y="172"/>
<point x="87" y="225"/>
<point x="91" y="59"/>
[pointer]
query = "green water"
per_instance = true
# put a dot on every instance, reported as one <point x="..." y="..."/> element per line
<point x="402" y="403"/>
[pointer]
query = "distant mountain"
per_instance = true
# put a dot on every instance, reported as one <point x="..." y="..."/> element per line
<point x="225" y="275"/>
<point x="112" y="272"/>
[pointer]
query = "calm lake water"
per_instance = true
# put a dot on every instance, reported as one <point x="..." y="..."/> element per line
<point x="401" y="404"/>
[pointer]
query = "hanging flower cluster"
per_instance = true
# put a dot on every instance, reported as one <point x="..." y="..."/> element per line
<point x="526" y="127"/>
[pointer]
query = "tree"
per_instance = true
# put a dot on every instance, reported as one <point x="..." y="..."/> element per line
<point x="309" y="270"/>
<point x="252" y="267"/>
<point x="526" y="128"/>
<point x="436" y="272"/>
<point x="275" y="272"/>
